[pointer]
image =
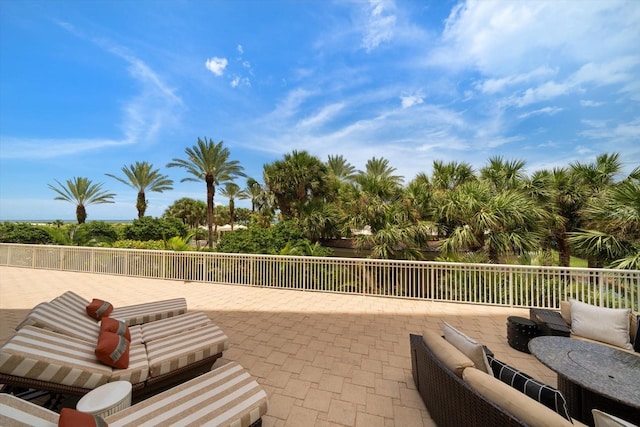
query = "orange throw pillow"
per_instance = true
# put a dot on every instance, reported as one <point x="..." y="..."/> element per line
<point x="99" y="308"/>
<point x="72" y="418"/>
<point x="113" y="350"/>
<point x="107" y="324"/>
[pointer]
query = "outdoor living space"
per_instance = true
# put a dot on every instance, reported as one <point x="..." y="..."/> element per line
<point x="324" y="359"/>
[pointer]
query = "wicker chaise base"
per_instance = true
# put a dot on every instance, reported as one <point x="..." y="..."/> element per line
<point x="140" y="390"/>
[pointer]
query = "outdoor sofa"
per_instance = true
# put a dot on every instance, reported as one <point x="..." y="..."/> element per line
<point x="226" y="396"/>
<point x="619" y="328"/>
<point x="53" y="349"/>
<point x="458" y="391"/>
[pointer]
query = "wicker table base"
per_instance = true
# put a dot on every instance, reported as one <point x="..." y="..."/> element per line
<point x="592" y="376"/>
<point x="520" y="331"/>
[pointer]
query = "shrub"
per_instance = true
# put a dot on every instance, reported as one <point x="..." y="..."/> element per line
<point x="24" y="233"/>
<point x="96" y="232"/>
<point x="258" y="240"/>
<point x="148" y="228"/>
<point x="137" y="244"/>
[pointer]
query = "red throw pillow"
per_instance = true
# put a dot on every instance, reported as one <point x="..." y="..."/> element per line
<point x="113" y="350"/>
<point x="72" y="418"/>
<point x="107" y="324"/>
<point x="99" y="309"/>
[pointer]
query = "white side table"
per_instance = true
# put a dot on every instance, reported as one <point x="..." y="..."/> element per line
<point x="106" y="399"/>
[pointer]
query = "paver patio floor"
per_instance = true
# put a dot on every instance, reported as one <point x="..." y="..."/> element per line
<point x="324" y="359"/>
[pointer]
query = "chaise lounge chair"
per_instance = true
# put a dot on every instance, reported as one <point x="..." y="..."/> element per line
<point x="63" y="320"/>
<point x="38" y="358"/>
<point x="226" y="396"/>
<point x="133" y="314"/>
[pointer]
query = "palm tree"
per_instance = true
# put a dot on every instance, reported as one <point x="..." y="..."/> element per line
<point x="81" y="192"/>
<point x="596" y="177"/>
<point x="503" y="174"/>
<point x="231" y="191"/>
<point x="192" y="212"/>
<point x="209" y="162"/>
<point x="252" y="192"/>
<point x="476" y="218"/>
<point x="612" y="234"/>
<point x="418" y="197"/>
<point x="560" y="193"/>
<point x="295" y="181"/>
<point x="599" y="174"/>
<point x="380" y="168"/>
<point x="340" y="168"/>
<point x="447" y="176"/>
<point x="141" y="176"/>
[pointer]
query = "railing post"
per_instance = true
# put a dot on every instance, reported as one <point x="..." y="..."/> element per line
<point x="601" y="287"/>
<point x="163" y="263"/>
<point x="432" y="281"/>
<point x="511" y="287"/>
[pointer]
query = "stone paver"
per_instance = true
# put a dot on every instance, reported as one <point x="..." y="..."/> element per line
<point x="324" y="359"/>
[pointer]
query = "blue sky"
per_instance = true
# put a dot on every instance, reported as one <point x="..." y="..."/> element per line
<point x="87" y="87"/>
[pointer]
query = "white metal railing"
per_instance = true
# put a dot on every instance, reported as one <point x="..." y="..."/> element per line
<point x="496" y="284"/>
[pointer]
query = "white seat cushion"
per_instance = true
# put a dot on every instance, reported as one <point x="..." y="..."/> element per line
<point x="608" y="325"/>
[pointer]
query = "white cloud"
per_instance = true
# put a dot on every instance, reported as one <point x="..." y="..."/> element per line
<point x="240" y="49"/>
<point x="44" y="148"/>
<point x="289" y="106"/>
<point x="380" y="24"/>
<point x="155" y="107"/>
<point x="504" y="38"/>
<point x="546" y="110"/>
<point x="589" y="103"/>
<point x="238" y="81"/>
<point x="411" y="100"/>
<point x="544" y="92"/>
<point x="627" y="132"/>
<point x="216" y="65"/>
<point x="321" y="117"/>
<point x="495" y="85"/>
<point x="618" y="70"/>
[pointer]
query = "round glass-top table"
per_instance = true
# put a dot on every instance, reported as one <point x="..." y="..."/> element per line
<point x="592" y="375"/>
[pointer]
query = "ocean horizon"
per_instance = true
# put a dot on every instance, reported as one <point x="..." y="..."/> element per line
<point x="66" y="221"/>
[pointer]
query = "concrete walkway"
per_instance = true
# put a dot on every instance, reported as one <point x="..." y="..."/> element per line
<point x="324" y="359"/>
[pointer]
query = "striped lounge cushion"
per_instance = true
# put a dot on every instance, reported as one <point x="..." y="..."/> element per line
<point x="132" y="314"/>
<point x="177" y="351"/>
<point x="548" y="396"/>
<point x="150" y="311"/>
<point x="49" y="356"/>
<point x="174" y="325"/>
<point x="138" y="370"/>
<point x="72" y="302"/>
<point x="227" y="396"/>
<point x="17" y="412"/>
<point x="136" y="334"/>
<point x="58" y="319"/>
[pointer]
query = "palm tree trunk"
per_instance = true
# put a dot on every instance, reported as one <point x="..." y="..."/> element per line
<point x="210" y="192"/>
<point x="141" y="204"/>
<point x="231" y="212"/>
<point x="81" y="214"/>
<point x="564" y="250"/>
